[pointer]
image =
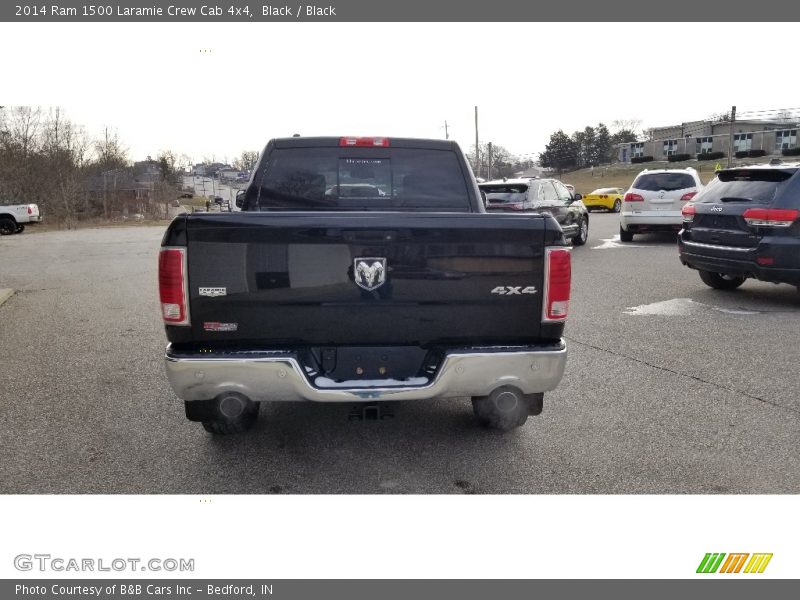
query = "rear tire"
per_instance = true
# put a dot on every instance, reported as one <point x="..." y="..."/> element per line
<point x="20" y="228"/>
<point x="583" y="233"/>
<point x="7" y="226"/>
<point x="718" y="281"/>
<point x="617" y="206"/>
<point x="233" y="413"/>
<point x="625" y="236"/>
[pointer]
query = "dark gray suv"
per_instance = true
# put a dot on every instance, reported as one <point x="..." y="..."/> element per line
<point x="540" y="195"/>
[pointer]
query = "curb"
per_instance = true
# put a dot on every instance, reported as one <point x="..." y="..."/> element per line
<point x="5" y="294"/>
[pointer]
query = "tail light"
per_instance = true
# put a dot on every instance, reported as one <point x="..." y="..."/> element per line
<point x="557" y="277"/>
<point x="173" y="286"/>
<point x="688" y="213"/>
<point x="770" y="217"/>
<point x="629" y="197"/>
<point x="516" y="206"/>
<point x="688" y="196"/>
<point x="30" y="209"/>
<point x="369" y="142"/>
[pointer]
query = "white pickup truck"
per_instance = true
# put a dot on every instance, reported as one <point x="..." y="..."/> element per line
<point x="13" y="218"/>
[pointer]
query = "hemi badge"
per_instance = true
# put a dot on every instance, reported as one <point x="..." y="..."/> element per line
<point x="211" y="292"/>
<point x="220" y="326"/>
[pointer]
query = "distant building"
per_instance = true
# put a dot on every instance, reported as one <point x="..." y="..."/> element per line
<point x="231" y="174"/>
<point x="120" y="191"/>
<point x="146" y="171"/>
<point x="697" y="137"/>
<point x="209" y="169"/>
<point x="213" y="169"/>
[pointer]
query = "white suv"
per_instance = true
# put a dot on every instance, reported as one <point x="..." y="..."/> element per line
<point x="655" y="199"/>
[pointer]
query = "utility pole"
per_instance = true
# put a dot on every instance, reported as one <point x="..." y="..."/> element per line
<point x="489" y="163"/>
<point x="477" y="149"/>
<point x="446" y="132"/>
<point x="730" y="138"/>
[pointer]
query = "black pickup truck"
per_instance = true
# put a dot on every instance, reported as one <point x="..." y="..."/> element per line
<point x="363" y="270"/>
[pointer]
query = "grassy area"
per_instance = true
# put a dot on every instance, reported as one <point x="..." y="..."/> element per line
<point x="622" y="175"/>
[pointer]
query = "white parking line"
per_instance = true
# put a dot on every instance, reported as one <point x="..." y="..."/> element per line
<point x="613" y="243"/>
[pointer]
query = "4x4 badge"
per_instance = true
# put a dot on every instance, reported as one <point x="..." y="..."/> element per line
<point x="369" y="272"/>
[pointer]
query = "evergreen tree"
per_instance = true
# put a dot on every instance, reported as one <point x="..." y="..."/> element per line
<point x="560" y="153"/>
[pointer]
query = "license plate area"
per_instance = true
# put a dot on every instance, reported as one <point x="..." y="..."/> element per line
<point x="369" y="364"/>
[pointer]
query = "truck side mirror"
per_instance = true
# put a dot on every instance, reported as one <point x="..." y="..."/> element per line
<point x="240" y="198"/>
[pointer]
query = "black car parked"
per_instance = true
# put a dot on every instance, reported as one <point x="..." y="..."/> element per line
<point x="745" y="224"/>
<point x="540" y="195"/>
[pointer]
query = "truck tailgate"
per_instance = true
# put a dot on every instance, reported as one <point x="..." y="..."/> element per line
<point x="290" y="278"/>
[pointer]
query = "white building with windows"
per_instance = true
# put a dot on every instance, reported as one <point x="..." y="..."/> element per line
<point x="702" y="137"/>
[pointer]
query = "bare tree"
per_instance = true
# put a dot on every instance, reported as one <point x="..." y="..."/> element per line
<point x="111" y="154"/>
<point x="502" y="161"/>
<point x="246" y="160"/>
<point x="166" y="189"/>
<point x="47" y="159"/>
<point x="184" y="162"/>
<point x="25" y="123"/>
<point x="634" y="125"/>
<point x="19" y="143"/>
<point x="112" y="157"/>
<point x="66" y="152"/>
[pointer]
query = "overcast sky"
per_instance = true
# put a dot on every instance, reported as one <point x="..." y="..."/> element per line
<point x="217" y="89"/>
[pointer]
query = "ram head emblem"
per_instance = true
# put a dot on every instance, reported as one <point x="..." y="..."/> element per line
<point x="369" y="272"/>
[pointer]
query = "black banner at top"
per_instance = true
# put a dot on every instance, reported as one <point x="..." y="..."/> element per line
<point x="176" y="11"/>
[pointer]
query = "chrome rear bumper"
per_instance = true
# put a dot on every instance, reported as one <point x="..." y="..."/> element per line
<point x="278" y="376"/>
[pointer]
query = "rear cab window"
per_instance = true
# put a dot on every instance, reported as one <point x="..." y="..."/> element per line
<point x="757" y="186"/>
<point x="333" y="178"/>
<point x="668" y="182"/>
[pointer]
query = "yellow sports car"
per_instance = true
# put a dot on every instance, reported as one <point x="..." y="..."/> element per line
<point x="608" y="198"/>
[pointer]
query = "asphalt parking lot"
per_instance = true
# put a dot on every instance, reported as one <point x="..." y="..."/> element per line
<point x="671" y="387"/>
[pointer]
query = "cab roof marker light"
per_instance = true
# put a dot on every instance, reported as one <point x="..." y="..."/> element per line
<point x="364" y="142"/>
